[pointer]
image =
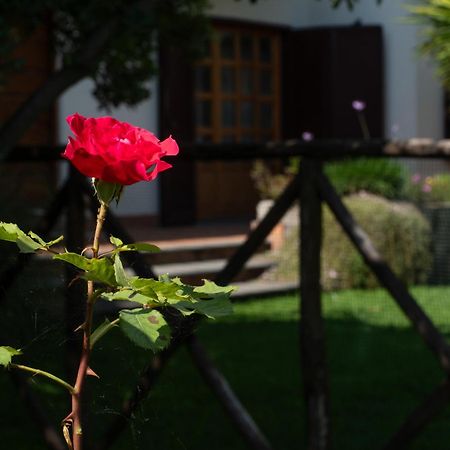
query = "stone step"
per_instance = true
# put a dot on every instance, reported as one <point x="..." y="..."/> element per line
<point x="198" y="250"/>
<point x="192" y="272"/>
<point x="263" y="288"/>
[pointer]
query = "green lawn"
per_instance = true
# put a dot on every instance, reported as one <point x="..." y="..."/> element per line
<point x="379" y="371"/>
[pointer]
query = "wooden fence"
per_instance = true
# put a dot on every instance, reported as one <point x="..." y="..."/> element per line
<point x="312" y="188"/>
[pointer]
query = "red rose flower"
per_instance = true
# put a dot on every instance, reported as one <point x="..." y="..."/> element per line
<point x="116" y="152"/>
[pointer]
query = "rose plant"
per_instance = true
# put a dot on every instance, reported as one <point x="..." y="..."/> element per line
<point x="115" y="154"/>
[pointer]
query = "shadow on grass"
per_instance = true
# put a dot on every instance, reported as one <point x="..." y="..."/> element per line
<point x="378" y="374"/>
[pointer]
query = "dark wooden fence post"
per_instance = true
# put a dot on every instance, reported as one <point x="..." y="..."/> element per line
<point x="312" y="336"/>
<point x="75" y="292"/>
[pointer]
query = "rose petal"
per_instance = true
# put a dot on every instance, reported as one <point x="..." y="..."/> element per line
<point x="88" y="164"/>
<point x="160" y="166"/>
<point x="76" y="123"/>
<point x="169" y="146"/>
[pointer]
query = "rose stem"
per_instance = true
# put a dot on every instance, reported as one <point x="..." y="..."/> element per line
<point x="77" y="430"/>
<point x="45" y="374"/>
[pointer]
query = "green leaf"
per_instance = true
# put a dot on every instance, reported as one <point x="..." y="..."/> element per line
<point x="132" y="296"/>
<point x="136" y="247"/>
<point x="211" y="288"/>
<point x="12" y="233"/>
<point x="119" y="272"/>
<point x="141" y="247"/>
<point x="6" y="354"/>
<point x="101" y="330"/>
<point x="100" y="270"/>
<point x="107" y="192"/>
<point x="218" y="306"/>
<point x="209" y="299"/>
<point x="115" y="241"/>
<point x="27" y="243"/>
<point x="147" y="329"/>
<point x="163" y="291"/>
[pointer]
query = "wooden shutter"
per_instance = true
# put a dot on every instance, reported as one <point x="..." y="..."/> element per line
<point x="177" y="185"/>
<point x="325" y="69"/>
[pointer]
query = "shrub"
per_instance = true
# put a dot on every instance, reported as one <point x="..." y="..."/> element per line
<point x="376" y="175"/>
<point x="431" y="189"/>
<point x="398" y="230"/>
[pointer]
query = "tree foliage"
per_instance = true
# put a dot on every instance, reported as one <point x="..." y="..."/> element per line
<point x="435" y="15"/>
<point x="134" y="29"/>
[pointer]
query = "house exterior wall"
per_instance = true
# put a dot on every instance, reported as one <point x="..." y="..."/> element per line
<point x="414" y="97"/>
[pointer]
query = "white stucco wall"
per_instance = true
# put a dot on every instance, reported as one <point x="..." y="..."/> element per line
<point x="138" y="199"/>
<point x="277" y="12"/>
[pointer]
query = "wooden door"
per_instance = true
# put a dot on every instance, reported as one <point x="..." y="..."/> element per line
<point x="237" y="99"/>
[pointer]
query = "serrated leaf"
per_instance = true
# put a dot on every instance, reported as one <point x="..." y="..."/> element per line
<point x="211" y="288"/>
<point x="218" y="306"/>
<point x="141" y="247"/>
<point x="161" y="290"/>
<point x="147" y="329"/>
<point x="119" y="272"/>
<point x="101" y="330"/>
<point x="27" y="243"/>
<point x="100" y="270"/>
<point x="12" y="233"/>
<point x="115" y="241"/>
<point x="131" y="296"/>
<point x="6" y="354"/>
<point x="209" y="299"/>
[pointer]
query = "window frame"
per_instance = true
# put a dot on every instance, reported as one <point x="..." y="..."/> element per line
<point x="217" y="133"/>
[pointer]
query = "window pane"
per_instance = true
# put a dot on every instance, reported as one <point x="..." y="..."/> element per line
<point x="265" y="82"/>
<point x="247" y="85"/>
<point x="247" y="114"/>
<point x="266" y="115"/>
<point x="228" y="113"/>
<point x="203" y="79"/>
<point x="227" y="46"/>
<point x="203" y="113"/>
<point x="228" y="79"/>
<point x="246" y="48"/>
<point x="265" y="50"/>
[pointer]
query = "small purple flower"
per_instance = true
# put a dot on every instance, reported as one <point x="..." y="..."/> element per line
<point x="415" y="179"/>
<point x="426" y="188"/>
<point x="358" y="105"/>
<point x="307" y="136"/>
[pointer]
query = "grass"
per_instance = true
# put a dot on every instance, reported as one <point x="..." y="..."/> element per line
<point x="379" y="372"/>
